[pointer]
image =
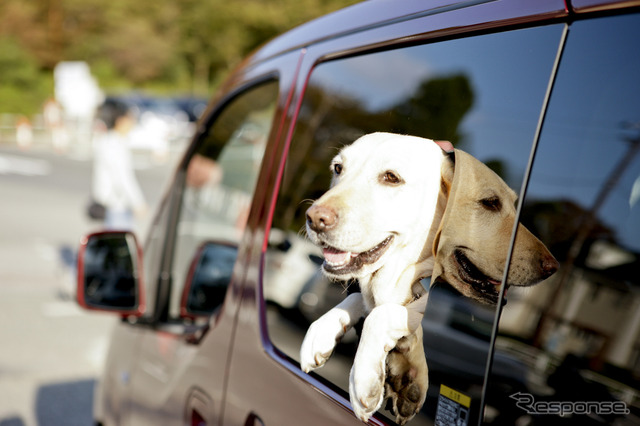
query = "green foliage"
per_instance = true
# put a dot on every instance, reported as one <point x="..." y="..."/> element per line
<point x="23" y="86"/>
<point x="180" y="45"/>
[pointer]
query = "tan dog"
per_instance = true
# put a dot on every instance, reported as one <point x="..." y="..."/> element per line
<point x="472" y="241"/>
<point x="394" y="202"/>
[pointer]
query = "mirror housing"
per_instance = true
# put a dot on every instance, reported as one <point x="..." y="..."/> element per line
<point x="110" y="273"/>
<point x="208" y="279"/>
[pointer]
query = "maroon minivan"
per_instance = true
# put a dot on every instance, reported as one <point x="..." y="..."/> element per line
<point x="217" y="300"/>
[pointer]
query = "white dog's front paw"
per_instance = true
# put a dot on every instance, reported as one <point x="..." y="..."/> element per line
<point x="320" y="340"/>
<point x="317" y="347"/>
<point x="366" y="387"/>
<point x="325" y="332"/>
<point x="383" y="327"/>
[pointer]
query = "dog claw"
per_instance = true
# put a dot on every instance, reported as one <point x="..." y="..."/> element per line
<point x="366" y="399"/>
<point x="319" y="359"/>
<point x="365" y="406"/>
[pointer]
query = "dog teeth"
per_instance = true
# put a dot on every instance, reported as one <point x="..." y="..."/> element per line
<point x="336" y="257"/>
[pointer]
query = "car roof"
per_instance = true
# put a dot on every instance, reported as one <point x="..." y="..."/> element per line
<point x="376" y="13"/>
<point x="355" y="18"/>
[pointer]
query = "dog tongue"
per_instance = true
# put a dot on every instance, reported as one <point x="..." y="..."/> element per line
<point x="336" y="257"/>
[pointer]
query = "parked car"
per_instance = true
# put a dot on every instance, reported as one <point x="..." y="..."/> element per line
<point x="215" y="303"/>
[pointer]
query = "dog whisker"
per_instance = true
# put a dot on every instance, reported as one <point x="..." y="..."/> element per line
<point x="302" y="232"/>
<point x="308" y="201"/>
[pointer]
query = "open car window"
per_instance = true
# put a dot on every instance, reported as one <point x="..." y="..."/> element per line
<point x="483" y="94"/>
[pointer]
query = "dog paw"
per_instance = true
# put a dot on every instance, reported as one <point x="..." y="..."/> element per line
<point x="366" y="389"/>
<point x="320" y="341"/>
<point x="406" y="385"/>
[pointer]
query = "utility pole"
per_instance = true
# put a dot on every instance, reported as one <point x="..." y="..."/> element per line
<point x="585" y="226"/>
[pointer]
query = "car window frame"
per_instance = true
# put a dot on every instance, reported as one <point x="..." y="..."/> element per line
<point x="522" y="193"/>
<point x="173" y="202"/>
<point x="349" y="46"/>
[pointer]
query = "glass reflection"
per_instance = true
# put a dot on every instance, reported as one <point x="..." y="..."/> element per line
<point x="578" y="335"/>
<point x="211" y="274"/>
<point x="219" y="183"/>
<point x="109" y="271"/>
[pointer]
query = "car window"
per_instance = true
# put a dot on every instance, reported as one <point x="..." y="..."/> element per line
<point x="219" y="183"/>
<point x="484" y="94"/>
<point x="577" y="337"/>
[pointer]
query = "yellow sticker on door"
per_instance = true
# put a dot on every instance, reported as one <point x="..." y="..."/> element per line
<point x="453" y="408"/>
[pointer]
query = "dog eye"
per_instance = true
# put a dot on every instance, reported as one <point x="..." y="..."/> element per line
<point x="491" y="203"/>
<point x="337" y="168"/>
<point x="391" y="178"/>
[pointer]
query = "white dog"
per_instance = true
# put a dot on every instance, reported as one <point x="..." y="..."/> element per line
<point x="384" y="223"/>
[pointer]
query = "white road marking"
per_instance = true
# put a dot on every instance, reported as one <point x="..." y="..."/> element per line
<point x="13" y="164"/>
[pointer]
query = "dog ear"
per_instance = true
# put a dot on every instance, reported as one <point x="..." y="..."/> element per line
<point x="446" y="180"/>
<point x="446" y="146"/>
<point x="446" y="173"/>
<point x="436" y="241"/>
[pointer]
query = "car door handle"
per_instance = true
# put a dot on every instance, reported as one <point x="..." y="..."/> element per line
<point x="253" y="420"/>
<point x="199" y="409"/>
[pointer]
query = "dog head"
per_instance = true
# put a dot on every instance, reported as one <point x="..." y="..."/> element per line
<point x="380" y="206"/>
<point x="473" y="239"/>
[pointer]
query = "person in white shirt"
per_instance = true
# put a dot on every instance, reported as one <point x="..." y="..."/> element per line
<point x="114" y="182"/>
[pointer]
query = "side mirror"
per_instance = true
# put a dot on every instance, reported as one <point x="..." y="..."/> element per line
<point x="209" y="276"/>
<point x="110" y="273"/>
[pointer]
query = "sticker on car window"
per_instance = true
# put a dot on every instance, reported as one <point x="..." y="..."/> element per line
<point x="453" y="407"/>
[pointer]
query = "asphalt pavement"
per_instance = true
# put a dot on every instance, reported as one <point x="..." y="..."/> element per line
<point x="51" y="351"/>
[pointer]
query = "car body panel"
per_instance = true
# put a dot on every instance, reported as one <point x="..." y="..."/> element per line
<point x="586" y="6"/>
<point x="371" y="15"/>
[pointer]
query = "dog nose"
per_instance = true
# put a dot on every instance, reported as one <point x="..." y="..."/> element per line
<point x="549" y="265"/>
<point x="321" y="218"/>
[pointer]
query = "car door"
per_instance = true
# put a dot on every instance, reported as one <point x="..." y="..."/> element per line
<point x="483" y="92"/>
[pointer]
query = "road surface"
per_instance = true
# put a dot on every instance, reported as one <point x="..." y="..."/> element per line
<point x="51" y="352"/>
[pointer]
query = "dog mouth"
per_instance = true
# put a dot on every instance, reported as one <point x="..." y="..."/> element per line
<point x="340" y="262"/>
<point x="485" y="287"/>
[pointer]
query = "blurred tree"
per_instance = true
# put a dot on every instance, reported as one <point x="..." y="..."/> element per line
<point x="437" y="108"/>
<point x="216" y="35"/>
<point x="182" y="45"/>
<point x="25" y="22"/>
<point x="23" y="85"/>
<point x="179" y="46"/>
